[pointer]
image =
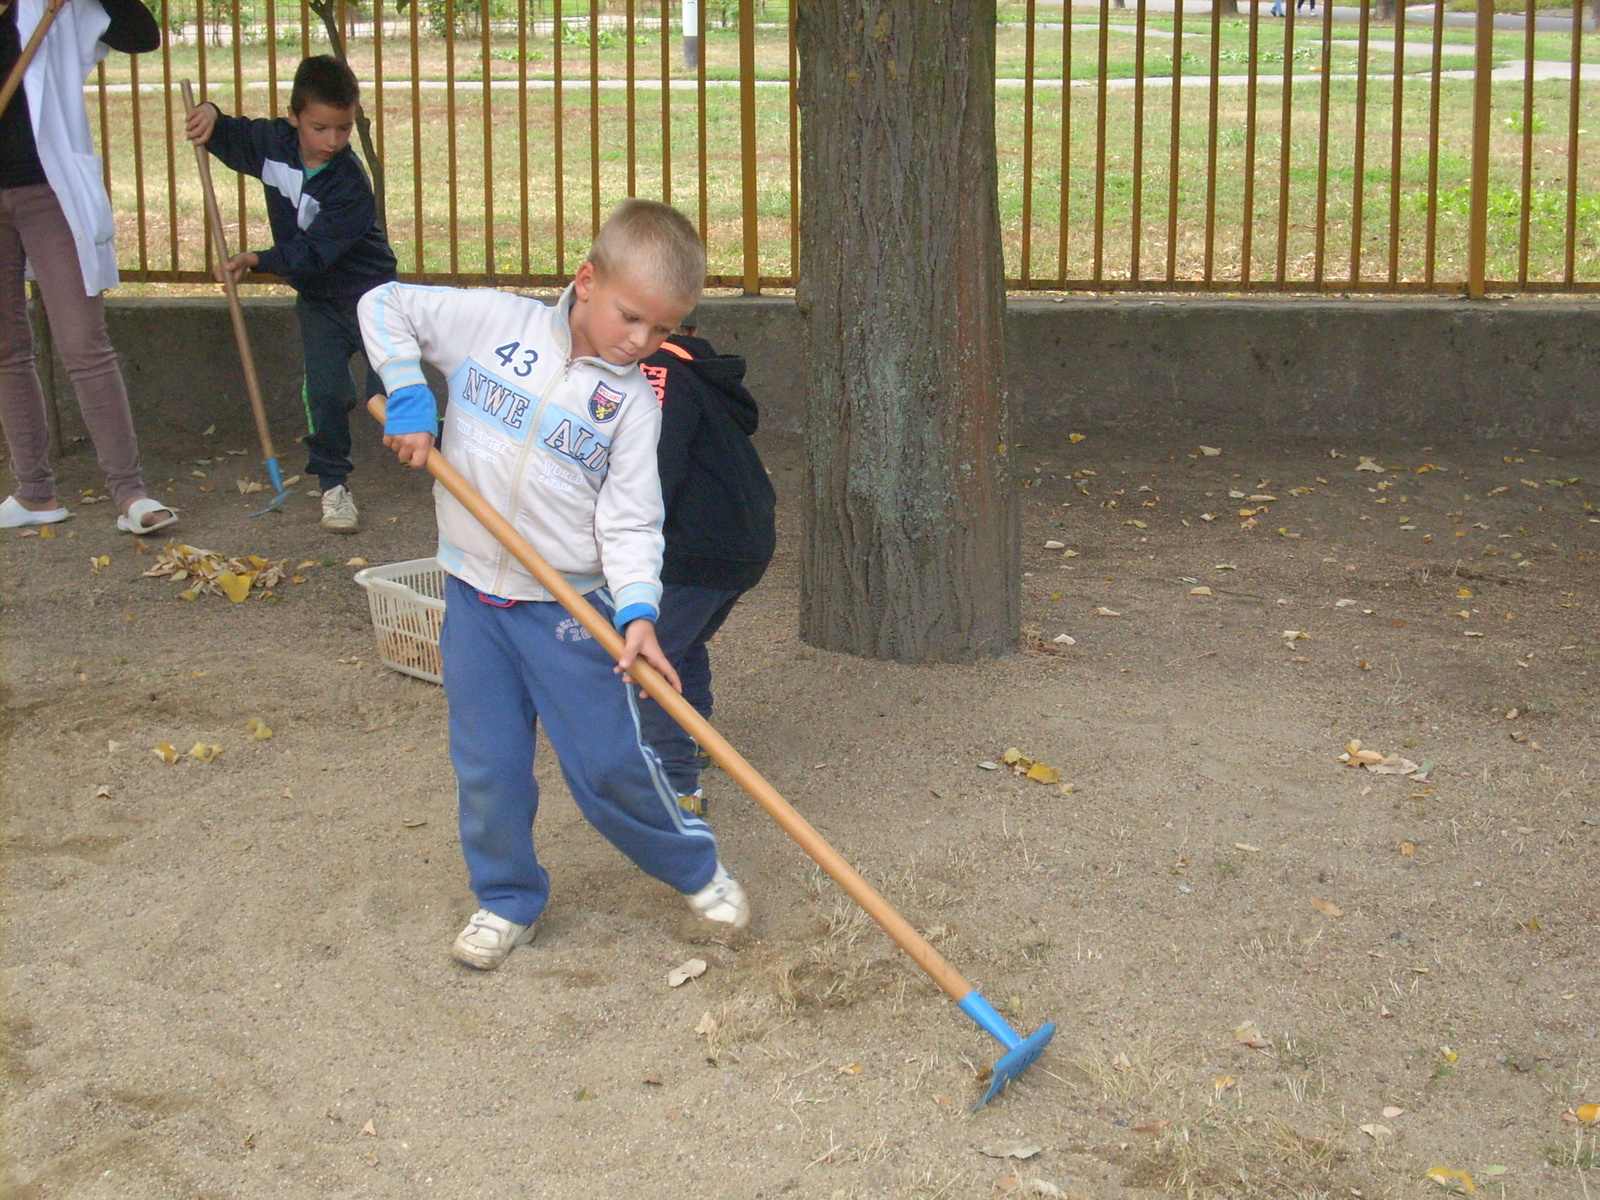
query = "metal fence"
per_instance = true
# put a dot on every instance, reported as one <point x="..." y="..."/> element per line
<point x="1175" y="149"/>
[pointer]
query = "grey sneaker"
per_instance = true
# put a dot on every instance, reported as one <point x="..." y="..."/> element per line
<point x="722" y="903"/>
<point x="339" y="513"/>
<point x="487" y="939"/>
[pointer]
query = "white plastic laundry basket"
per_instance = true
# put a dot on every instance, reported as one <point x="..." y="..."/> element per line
<point x="407" y="600"/>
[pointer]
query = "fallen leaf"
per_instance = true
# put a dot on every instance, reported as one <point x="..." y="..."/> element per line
<point x="203" y="752"/>
<point x="1449" y="1054"/>
<point x="849" y="1069"/>
<point x="413" y="822"/>
<point x="1366" y="464"/>
<point x="1055" y="545"/>
<point x="1249" y="1034"/>
<point x="99" y="563"/>
<point x="1223" y="1083"/>
<point x="1326" y="907"/>
<point x="1408" y="848"/>
<point x="681" y="975"/>
<point x="707" y="1025"/>
<point x="369" y="1129"/>
<point x="1102" y="611"/>
<point x="582" y="1094"/>
<point x="113" y="746"/>
<point x="1121" y="1062"/>
<point x="1376" y="1132"/>
<point x="1391" y="1112"/>
<point x="1155" y="1126"/>
<point x="1450" y="1179"/>
<point x="167" y="753"/>
<point x="258" y="729"/>
<point x="1210" y="451"/>
<point x="103" y="792"/>
<point x="208" y="431"/>
<point x="46" y="532"/>
<point x="1040" y="773"/>
<point x="1589" y="1114"/>
<point x="355" y="562"/>
<point x="291" y="481"/>
<point x="1247" y="847"/>
<point x="1018" y="1150"/>
<point x="943" y="1101"/>
<point x="1062" y="639"/>
<point x="234" y="587"/>
<point x="1199" y="591"/>
<point x="652" y="1080"/>
<point x="1013" y="756"/>
<point x="1075" y="438"/>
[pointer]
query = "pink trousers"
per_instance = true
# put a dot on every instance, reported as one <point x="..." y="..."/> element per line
<point x="34" y="229"/>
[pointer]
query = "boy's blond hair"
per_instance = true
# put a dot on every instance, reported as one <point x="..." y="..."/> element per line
<point x="654" y="245"/>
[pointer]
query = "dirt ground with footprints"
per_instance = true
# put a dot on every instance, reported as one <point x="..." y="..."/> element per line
<point x="1274" y="974"/>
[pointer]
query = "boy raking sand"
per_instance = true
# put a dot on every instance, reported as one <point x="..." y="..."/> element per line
<point x="550" y="418"/>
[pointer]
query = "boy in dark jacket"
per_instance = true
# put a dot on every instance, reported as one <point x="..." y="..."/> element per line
<point x="327" y="245"/>
<point x="719" y="528"/>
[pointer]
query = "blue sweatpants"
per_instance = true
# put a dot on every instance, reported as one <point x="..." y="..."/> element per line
<point x="690" y="617"/>
<point x="506" y="668"/>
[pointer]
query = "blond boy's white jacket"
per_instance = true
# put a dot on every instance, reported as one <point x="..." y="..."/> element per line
<point x="564" y="448"/>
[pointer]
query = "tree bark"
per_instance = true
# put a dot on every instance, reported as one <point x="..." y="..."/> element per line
<point x="910" y="545"/>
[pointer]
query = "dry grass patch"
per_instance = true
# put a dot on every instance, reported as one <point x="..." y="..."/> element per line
<point x="1239" y="1157"/>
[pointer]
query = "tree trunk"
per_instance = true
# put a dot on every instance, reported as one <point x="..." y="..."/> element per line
<point x="1228" y="6"/>
<point x="910" y="512"/>
<point x="1383" y="10"/>
<point x="327" y="10"/>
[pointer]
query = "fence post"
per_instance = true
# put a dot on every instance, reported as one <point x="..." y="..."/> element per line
<point x="1478" y="205"/>
<point x="747" y="146"/>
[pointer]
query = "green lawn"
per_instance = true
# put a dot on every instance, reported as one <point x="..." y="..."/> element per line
<point x="529" y="244"/>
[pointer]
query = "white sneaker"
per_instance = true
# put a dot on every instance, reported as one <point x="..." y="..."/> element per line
<point x="339" y="513"/>
<point x="722" y="902"/>
<point x="487" y="939"/>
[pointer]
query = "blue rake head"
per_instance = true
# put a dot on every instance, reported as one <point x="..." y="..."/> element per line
<point x="282" y="497"/>
<point x="1021" y="1052"/>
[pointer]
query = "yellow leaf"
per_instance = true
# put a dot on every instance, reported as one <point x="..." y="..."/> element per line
<point x="1589" y="1114"/>
<point x="355" y="562"/>
<point x="1040" y="773"/>
<point x="1200" y="591"/>
<point x="258" y="729"/>
<point x="1326" y="907"/>
<point x="97" y="564"/>
<point x="1449" y="1054"/>
<point x="1223" y="1083"/>
<point x="1451" y="1179"/>
<point x="235" y="587"/>
<point x="1075" y="438"/>
<point x="1013" y="756"/>
<point x="166" y="752"/>
<point x="46" y="532"/>
<point x="201" y="752"/>
<point x="1408" y="848"/>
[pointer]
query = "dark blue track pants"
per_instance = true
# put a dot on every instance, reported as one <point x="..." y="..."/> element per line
<point x="690" y="617"/>
<point x="506" y="668"/>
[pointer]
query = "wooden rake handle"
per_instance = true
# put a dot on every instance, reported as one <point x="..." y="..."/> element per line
<point x="219" y="239"/>
<point x="722" y="753"/>
<point x="14" y="80"/>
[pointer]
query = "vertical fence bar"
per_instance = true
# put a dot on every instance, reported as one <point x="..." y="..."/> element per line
<point x="522" y="131"/>
<point x="700" y="121"/>
<point x="1212" y="111"/>
<point x="594" y="118"/>
<point x="1358" y="189"/>
<point x="138" y="164"/>
<point x="1478" y="197"/>
<point x="1251" y="90"/>
<point x="170" y="139"/>
<point x="1396" y="125"/>
<point x="1325" y="134"/>
<point x="557" y="36"/>
<point x="747" y="146"/>
<point x="1283" y="146"/>
<point x="1568" y="272"/>
<point x="1064" y="205"/>
<point x="1172" y="165"/>
<point x="633" y="149"/>
<point x="1025" y="267"/>
<point x="794" y="150"/>
<point x="1100" y="145"/>
<point x="272" y="58"/>
<point x="1527" y="145"/>
<point x="243" y="239"/>
<point x="489" y="264"/>
<point x="450" y="135"/>
<point x="1136" y="221"/>
<point x="378" y="119"/>
<point x="305" y="33"/>
<point x="1431" y="228"/>
<point x="666" y="98"/>
<point x="419" y="256"/>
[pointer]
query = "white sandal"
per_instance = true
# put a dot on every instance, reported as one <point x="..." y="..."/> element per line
<point x="14" y="516"/>
<point x="132" y="521"/>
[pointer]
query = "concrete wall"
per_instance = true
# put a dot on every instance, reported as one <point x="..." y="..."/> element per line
<point x="1284" y="368"/>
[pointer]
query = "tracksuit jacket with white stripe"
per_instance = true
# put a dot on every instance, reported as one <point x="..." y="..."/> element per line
<point x="326" y="241"/>
<point x="564" y="448"/>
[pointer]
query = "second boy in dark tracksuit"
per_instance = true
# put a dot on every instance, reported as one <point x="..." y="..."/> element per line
<point x="327" y="245"/>
<point x="720" y="530"/>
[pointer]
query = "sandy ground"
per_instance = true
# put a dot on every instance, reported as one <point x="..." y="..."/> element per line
<point x="229" y="978"/>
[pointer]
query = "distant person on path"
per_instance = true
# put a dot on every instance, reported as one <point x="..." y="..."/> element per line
<point x="55" y="221"/>
<point x="720" y="529"/>
<point x="327" y="245"/>
<point x="552" y="422"/>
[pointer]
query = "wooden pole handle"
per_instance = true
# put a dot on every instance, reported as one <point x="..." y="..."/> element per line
<point x="20" y="68"/>
<point x="721" y="751"/>
<point x="241" y="335"/>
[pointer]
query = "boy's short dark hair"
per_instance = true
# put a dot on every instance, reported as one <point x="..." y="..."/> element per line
<point x="324" y="79"/>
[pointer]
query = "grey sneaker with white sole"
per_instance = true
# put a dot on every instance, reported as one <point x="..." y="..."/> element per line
<point x="339" y="512"/>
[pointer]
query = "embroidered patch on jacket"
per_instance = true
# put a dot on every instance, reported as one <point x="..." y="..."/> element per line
<point x="604" y="402"/>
